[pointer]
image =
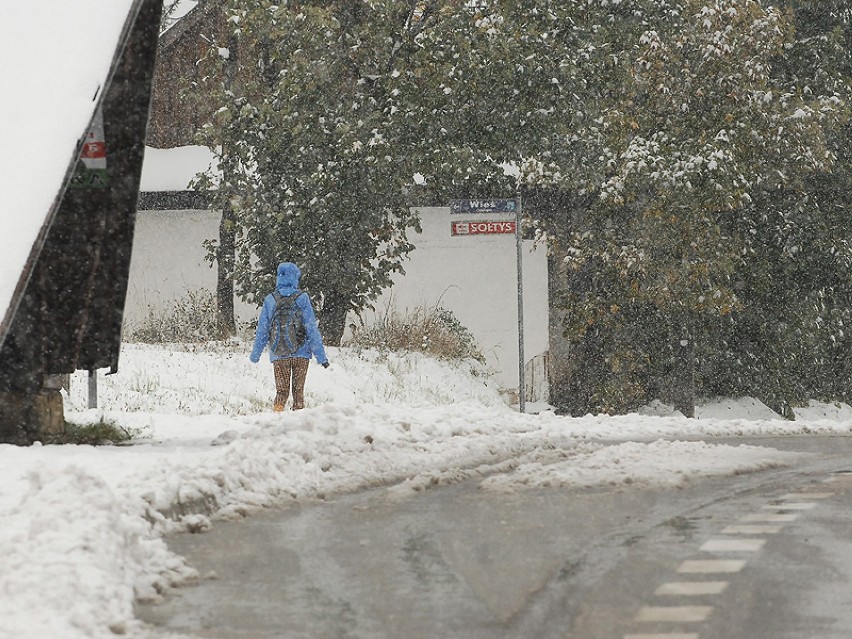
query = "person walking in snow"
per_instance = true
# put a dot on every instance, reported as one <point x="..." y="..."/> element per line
<point x="287" y="323"/>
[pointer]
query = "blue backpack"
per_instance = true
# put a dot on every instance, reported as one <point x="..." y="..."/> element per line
<point x="287" y="332"/>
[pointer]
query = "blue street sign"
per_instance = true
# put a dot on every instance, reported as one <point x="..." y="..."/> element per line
<point x="483" y="206"/>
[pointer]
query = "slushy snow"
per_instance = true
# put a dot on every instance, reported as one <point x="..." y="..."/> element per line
<point x="83" y="526"/>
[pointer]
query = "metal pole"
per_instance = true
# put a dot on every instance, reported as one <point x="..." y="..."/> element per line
<point x="519" y="247"/>
<point x="93" y="389"/>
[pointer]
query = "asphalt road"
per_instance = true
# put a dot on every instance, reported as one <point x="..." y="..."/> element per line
<point x="761" y="555"/>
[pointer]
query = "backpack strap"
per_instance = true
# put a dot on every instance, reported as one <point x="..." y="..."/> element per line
<point x="278" y="296"/>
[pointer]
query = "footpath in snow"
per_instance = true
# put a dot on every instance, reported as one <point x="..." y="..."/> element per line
<point x="83" y="526"/>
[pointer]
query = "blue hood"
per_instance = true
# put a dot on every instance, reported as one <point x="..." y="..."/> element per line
<point x="288" y="276"/>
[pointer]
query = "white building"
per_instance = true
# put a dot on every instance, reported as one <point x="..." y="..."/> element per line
<point x="472" y="275"/>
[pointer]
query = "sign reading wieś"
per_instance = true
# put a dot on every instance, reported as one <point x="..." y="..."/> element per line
<point x="482" y="228"/>
<point x="482" y="206"/>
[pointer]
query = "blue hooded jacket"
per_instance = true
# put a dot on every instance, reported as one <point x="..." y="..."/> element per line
<point x="287" y="284"/>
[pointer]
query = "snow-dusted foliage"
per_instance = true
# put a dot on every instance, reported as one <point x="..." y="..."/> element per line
<point x="710" y="150"/>
<point x="314" y="167"/>
<point x="685" y="157"/>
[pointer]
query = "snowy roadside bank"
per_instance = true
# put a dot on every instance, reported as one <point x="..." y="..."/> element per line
<point x="82" y="526"/>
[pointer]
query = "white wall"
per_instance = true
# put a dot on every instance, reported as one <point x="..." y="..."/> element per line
<point x="474" y="276"/>
<point x="168" y="261"/>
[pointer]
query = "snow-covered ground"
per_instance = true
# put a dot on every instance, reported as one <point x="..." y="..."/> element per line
<point x="82" y="527"/>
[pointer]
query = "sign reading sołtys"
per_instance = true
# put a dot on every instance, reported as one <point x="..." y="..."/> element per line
<point x="482" y="206"/>
<point x="482" y="227"/>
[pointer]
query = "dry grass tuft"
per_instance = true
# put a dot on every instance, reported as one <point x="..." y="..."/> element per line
<point x="435" y="331"/>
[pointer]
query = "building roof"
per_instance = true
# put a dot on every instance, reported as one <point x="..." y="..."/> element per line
<point x="174" y="169"/>
<point x="58" y="57"/>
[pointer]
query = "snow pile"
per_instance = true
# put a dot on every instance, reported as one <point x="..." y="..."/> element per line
<point x="192" y="380"/>
<point x="83" y="526"/>
<point x="660" y="462"/>
<point x="77" y="551"/>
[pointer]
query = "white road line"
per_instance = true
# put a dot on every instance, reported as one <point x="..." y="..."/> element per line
<point x="752" y="529"/>
<point x="695" y="566"/>
<point x="771" y="517"/>
<point x="792" y="505"/>
<point x="794" y="496"/>
<point x="733" y="545"/>
<point x="691" y="588"/>
<point x="765" y="523"/>
<point x="674" y="613"/>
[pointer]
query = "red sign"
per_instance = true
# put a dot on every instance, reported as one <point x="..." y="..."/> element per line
<point x="482" y="228"/>
<point x="94" y="150"/>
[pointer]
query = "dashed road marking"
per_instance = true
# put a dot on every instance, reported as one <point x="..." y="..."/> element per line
<point x="733" y="545"/>
<point x="771" y="517"/>
<point x="791" y="505"/>
<point x="691" y="588"/>
<point x="674" y="613"/>
<point x="695" y="566"/>
<point x="752" y="529"/>
<point x="785" y="509"/>
<point x="840" y="482"/>
<point x="794" y="496"/>
<point x="841" y="476"/>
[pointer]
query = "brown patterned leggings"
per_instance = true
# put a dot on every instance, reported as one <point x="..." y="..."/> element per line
<point x="293" y="369"/>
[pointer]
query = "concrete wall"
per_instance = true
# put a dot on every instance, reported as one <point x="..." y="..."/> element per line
<point x="473" y="276"/>
<point x="168" y="262"/>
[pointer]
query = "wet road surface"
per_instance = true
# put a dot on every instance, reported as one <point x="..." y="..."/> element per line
<point x="460" y="562"/>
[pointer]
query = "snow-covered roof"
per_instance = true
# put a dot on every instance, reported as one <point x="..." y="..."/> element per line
<point x="57" y="57"/>
<point x="174" y="169"/>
